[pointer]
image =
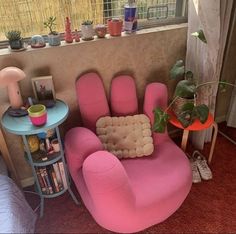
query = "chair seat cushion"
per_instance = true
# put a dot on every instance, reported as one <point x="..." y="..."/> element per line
<point x="126" y="137"/>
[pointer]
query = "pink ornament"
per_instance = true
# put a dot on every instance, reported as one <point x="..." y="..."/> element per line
<point x="77" y="37"/>
<point x="68" y="34"/>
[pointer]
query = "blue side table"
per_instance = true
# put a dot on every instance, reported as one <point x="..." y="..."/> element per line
<point x="23" y="126"/>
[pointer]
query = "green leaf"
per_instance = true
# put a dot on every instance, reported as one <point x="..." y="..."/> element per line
<point x="185" y="118"/>
<point x="185" y="89"/>
<point x="222" y="86"/>
<point x="200" y="34"/>
<point x="201" y="112"/>
<point x="189" y="75"/>
<point x="177" y="70"/>
<point x="160" y="120"/>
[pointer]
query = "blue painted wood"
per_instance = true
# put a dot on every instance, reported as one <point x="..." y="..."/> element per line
<point x="54" y="194"/>
<point x="23" y="125"/>
<point x="49" y="161"/>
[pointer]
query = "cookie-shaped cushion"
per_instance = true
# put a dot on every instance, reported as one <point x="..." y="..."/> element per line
<point x="126" y="137"/>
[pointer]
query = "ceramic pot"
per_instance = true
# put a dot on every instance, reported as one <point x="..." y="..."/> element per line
<point x="37" y="114"/>
<point x="115" y="27"/>
<point x="54" y="39"/>
<point x="87" y="32"/>
<point x="16" y="44"/>
<point x="101" y="30"/>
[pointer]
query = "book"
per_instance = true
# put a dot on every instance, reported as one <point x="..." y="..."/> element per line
<point x="58" y="176"/>
<point x="47" y="180"/>
<point x="44" y="180"/>
<point x="63" y="175"/>
<point x="41" y="182"/>
<point x="54" y="180"/>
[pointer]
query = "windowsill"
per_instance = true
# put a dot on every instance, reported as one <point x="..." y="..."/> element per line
<point x="7" y="51"/>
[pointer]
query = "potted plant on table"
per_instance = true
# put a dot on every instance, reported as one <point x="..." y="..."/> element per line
<point x="53" y="36"/>
<point x="185" y="102"/>
<point x="115" y="26"/>
<point x="87" y="30"/>
<point x="15" y="39"/>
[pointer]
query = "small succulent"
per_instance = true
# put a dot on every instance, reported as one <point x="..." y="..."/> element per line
<point x="87" y="22"/>
<point x="13" y="35"/>
<point x="50" y="23"/>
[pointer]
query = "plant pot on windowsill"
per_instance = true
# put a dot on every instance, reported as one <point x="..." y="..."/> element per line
<point x="115" y="27"/>
<point x="101" y="30"/>
<point x="87" y="30"/>
<point x="53" y="36"/>
<point x="54" y="39"/>
<point x="16" y="45"/>
<point x="15" y="39"/>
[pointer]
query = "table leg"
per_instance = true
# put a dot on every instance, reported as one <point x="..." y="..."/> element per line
<point x="184" y="140"/>
<point x="7" y="159"/>
<point x="215" y="127"/>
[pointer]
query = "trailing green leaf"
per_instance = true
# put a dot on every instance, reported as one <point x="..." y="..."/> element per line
<point x="189" y="75"/>
<point x="185" y="89"/>
<point x="222" y="86"/>
<point x="161" y="119"/>
<point x="200" y="34"/>
<point x="177" y="71"/>
<point x="201" y="112"/>
<point x="185" y="117"/>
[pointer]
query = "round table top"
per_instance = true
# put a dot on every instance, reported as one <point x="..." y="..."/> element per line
<point x="195" y="126"/>
<point x="23" y="126"/>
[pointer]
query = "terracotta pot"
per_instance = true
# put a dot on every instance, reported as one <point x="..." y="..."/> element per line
<point x="115" y="27"/>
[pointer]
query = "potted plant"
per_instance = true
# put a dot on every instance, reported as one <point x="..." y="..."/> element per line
<point x="101" y="30"/>
<point x="115" y="26"/>
<point x="15" y="39"/>
<point x="185" y="102"/>
<point x="87" y="30"/>
<point x="53" y="36"/>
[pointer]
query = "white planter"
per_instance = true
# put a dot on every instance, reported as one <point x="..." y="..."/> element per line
<point x="87" y="32"/>
<point x="54" y="40"/>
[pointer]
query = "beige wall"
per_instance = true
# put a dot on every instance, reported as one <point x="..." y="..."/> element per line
<point x="146" y="56"/>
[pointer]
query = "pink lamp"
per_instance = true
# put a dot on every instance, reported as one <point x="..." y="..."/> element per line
<point x="9" y="78"/>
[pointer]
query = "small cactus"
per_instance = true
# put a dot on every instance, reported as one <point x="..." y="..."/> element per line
<point x="13" y="35"/>
<point x="87" y="22"/>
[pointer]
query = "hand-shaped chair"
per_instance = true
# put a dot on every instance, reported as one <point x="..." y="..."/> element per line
<point x="126" y="195"/>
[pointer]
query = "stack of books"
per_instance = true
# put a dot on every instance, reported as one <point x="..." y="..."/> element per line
<point x="52" y="178"/>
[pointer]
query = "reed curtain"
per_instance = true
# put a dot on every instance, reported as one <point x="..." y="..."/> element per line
<point x="28" y="15"/>
<point x="205" y="60"/>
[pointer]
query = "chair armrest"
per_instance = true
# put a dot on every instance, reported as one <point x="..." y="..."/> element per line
<point x="109" y="187"/>
<point x="79" y="143"/>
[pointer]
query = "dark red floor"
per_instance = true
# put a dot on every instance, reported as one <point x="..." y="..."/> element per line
<point x="209" y="208"/>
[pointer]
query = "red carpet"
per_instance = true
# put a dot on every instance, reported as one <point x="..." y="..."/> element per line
<point x="209" y="208"/>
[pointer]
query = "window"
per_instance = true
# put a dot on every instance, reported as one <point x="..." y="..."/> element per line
<point x="28" y="15"/>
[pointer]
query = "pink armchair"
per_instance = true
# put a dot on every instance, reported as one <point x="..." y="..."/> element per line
<point x="132" y="194"/>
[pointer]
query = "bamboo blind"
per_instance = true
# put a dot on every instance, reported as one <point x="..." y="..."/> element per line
<point x="28" y="15"/>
